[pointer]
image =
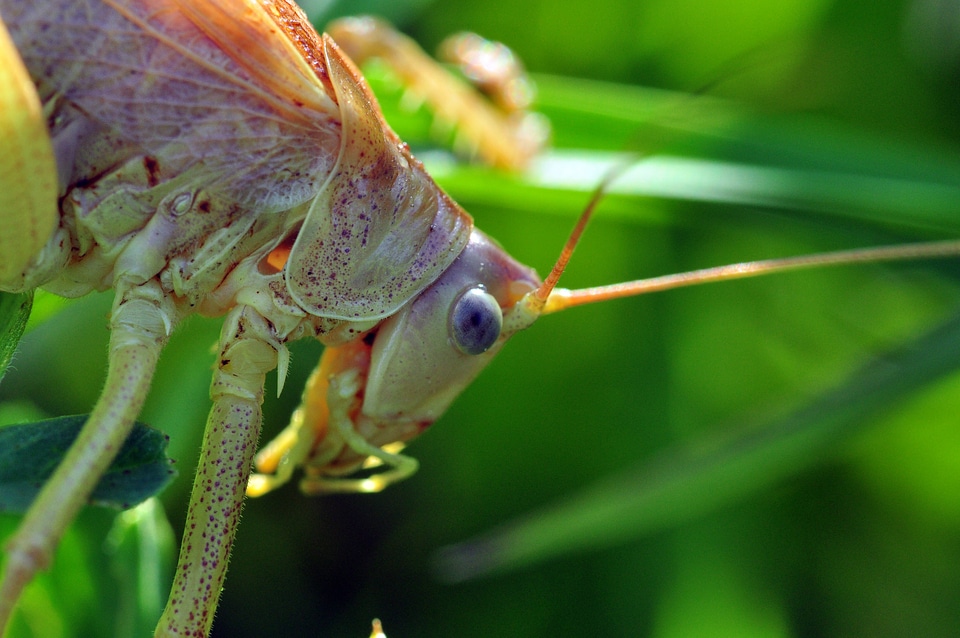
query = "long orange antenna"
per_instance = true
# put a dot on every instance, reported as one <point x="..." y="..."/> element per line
<point x="540" y="297"/>
<point x="561" y="298"/>
<point x="548" y="298"/>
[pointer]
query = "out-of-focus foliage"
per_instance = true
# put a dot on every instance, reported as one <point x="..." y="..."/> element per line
<point x="14" y="312"/>
<point x="838" y="129"/>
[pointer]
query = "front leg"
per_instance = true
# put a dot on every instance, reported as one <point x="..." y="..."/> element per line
<point x="331" y="439"/>
<point x="248" y="350"/>
<point x="343" y="404"/>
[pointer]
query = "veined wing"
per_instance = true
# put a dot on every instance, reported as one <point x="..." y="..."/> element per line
<point x="250" y="119"/>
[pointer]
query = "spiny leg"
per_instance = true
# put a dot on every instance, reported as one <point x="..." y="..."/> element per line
<point x="343" y="389"/>
<point x="140" y="324"/>
<point x="322" y="431"/>
<point x="306" y="440"/>
<point x="276" y="462"/>
<point x="248" y="350"/>
<point x="503" y="139"/>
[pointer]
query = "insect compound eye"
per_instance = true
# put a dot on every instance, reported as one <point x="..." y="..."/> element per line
<point x="475" y="321"/>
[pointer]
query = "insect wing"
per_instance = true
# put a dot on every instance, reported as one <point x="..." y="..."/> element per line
<point x="381" y="230"/>
<point x="151" y="81"/>
<point x="288" y="66"/>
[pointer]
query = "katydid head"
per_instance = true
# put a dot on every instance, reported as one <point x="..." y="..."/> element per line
<point x="427" y="353"/>
<point x="370" y="396"/>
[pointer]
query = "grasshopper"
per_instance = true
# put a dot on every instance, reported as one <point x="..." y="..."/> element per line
<point x="224" y="159"/>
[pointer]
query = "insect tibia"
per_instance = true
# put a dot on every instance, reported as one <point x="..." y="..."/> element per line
<point x="248" y="350"/>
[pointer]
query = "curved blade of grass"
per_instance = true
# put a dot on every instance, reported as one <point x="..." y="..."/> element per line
<point x="690" y="481"/>
<point x="872" y="199"/>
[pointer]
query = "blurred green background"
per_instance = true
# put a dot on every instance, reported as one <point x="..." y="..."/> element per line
<point x="717" y="461"/>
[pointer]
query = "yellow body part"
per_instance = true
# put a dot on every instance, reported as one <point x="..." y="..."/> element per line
<point x="28" y="171"/>
<point x="322" y="438"/>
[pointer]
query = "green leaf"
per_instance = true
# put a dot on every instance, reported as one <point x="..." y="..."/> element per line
<point x="29" y="453"/>
<point x="14" y="312"/>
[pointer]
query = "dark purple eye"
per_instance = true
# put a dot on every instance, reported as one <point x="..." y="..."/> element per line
<point x="475" y="321"/>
